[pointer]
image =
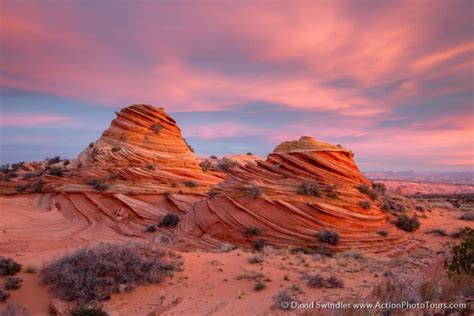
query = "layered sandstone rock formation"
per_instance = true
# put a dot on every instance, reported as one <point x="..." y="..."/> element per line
<point x="265" y="195"/>
<point x="141" y="168"/>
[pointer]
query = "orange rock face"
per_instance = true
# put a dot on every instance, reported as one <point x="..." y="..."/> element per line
<point x="272" y="195"/>
<point x="141" y="168"/>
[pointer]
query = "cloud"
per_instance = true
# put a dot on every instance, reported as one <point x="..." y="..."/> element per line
<point x="32" y="120"/>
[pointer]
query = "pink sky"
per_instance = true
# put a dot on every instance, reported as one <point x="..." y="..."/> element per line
<point x="388" y="79"/>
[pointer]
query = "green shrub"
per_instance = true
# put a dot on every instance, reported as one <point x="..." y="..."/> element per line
<point x="259" y="286"/>
<point x="190" y="183"/>
<point x="363" y="188"/>
<point x="12" y="282"/>
<point x="461" y="259"/>
<point x="98" y="184"/>
<point x="365" y="204"/>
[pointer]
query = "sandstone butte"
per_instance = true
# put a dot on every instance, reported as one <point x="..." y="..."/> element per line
<point x="149" y="170"/>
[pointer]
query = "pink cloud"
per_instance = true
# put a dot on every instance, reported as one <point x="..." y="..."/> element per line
<point x="31" y="120"/>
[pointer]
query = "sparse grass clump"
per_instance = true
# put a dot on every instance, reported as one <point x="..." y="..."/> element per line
<point x="21" y="188"/>
<point x="31" y="269"/>
<point x="149" y="166"/>
<point x="353" y="254"/>
<point x="318" y="281"/>
<point x="114" y="176"/>
<point x="86" y="310"/>
<point x="407" y="223"/>
<point x="190" y="183"/>
<point x="328" y="236"/>
<point x="92" y="274"/>
<point x="98" y="184"/>
<point x="250" y="231"/>
<point x="256" y="259"/>
<point x="169" y="220"/>
<point x="283" y="299"/>
<point x="393" y="207"/>
<point x="253" y="191"/>
<point x="259" y="286"/>
<point x="8" y="266"/>
<point x="365" y="204"/>
<point x="12" y="282"/>
<point x="38" y="186"/>
<point x="309" y="188"/>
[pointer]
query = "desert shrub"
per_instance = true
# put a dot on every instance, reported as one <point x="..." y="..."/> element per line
<point x="14" y="309"/>
<point x="205" y="165"/>
<point x="190" y="183"/>
<point x="54" y="160"/>
<point x="115" y="149"/>
<point x="334" y="282"/>
<point x="383" y="233"/>
<point x="66" y="162"/>
<point x="12" y="282"/>
<point x="379" y="188"/>
<point x="467" y="216"/>
<point x="17" y="166"/>
<point x="407" y="223"/>
<point x="461" y="259"/>
<point x="458" y="233"/>
<point x="309" y="188"/>
<point x="318" y="281"/>
<point x="259" y="244"/>
<point x="22" y="187"/>
<point x="255" y="259"/>
<point x="437" y="231"/>
<point x="259" y="286"/>
<point x="8" y="266"/>
<point x="91" y="145"/>
<point x="149" y="166"/>
<point x="226" y="247"/>
<point x="250" y="231"/>
<point x="169" y="220"/>
<point x="394" y="289"/>
<point x="304" y="250"/>
<point x="212" y="193"/>
<point x="373" y="196"/>
<point x="86" y="310"/>
<point x="419" y="208"/>
<point x="56" y="171"/>
<point x="328" y="236"/>
<point x="393" y="207"/>
<point x="151" y="228"/>
<point x="353" y="254"/>
<point x="365" y="204"/>
<point x="91" y="274"/>
<point x="253" y="191"/>
<point x="283" y="299"/>
<point x="249" y="154"/>
<point x="4" y="295"/>
<point x="156" y="128"/>
<point x="98" y="184"/>
<point x="38" y="185"/>
<point x="213" y="157"/>
<point x="224" y="165"/>
<point x="363" y="188"/>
